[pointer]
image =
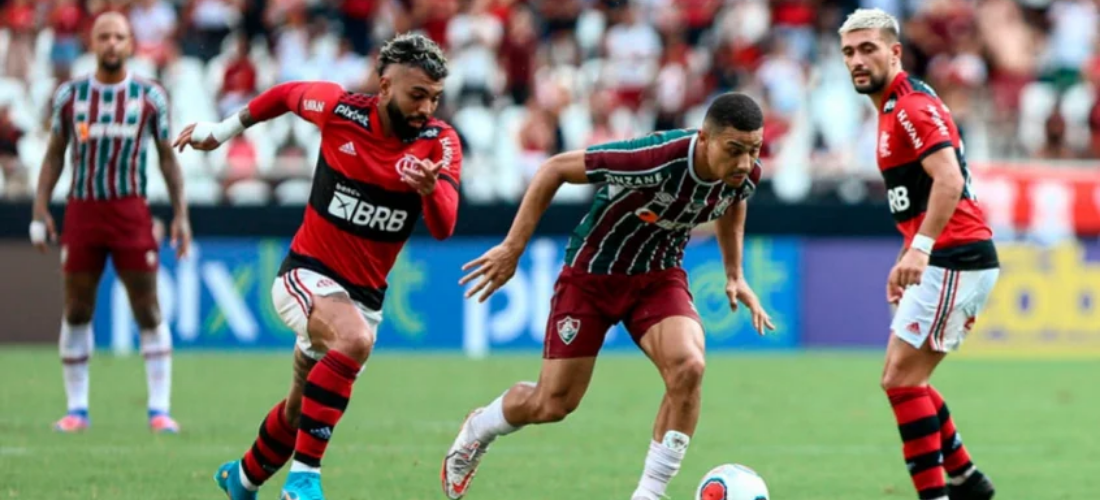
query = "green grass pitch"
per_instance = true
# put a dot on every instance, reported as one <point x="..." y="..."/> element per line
<point x="815" y="425"/>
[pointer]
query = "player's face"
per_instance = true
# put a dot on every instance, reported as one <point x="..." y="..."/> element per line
<point x="111" y="42"/>
<point x="869" y="56"/>
<point x="732" y="153"/>
<point x="410" y="97"/>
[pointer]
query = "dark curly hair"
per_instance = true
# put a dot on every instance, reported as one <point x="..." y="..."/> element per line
<point x="414" y="50"/>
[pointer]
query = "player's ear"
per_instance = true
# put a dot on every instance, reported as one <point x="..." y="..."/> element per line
<point x="385" y="85"/>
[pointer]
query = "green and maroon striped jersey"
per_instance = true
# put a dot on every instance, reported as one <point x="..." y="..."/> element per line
<point x="109" y="127"/>
<point x="649" y="201"/>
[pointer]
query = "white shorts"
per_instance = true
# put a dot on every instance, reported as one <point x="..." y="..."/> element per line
<point x="943" y="307"/>
<point x="292" y="294"/>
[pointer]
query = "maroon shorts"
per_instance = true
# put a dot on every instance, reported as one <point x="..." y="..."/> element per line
<point x="122" y="228"/>
<point x="585" y="306"/>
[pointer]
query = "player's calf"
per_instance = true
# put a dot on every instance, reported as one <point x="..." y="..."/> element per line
<point x="675" y="344"/>
<point x="905" y="381"/>
<point x="75" y="347"/>
<point x="336" y="327"/>
<point x="156" y="347"/>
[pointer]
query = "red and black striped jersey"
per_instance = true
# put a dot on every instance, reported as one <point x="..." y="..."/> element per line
<point x="914" y="123"/>
<point x="649" y="201"/>
<point x="360" y="212"/>
<point x="109" y="126"/>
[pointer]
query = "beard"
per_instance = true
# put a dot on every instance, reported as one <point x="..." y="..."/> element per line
<point x="111" y="65"/>
<point x="874" y="84"/>
<point x="401" y="126"/>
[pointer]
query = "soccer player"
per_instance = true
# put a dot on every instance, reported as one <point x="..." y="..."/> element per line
<point x="108" y="117"/>
<point x="383" y="161"/>
<point x="623" y="263"/>
<point x="949" y="264"/>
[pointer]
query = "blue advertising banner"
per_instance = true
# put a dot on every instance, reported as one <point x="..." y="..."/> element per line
<point x="220" y="298"/>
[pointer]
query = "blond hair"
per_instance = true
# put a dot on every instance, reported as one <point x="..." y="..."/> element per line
<point x="869" y="19"/>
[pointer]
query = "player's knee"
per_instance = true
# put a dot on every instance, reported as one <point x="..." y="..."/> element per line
<point x="147" y="315"/>
<point x="78" y="312"/>
<point x="685" y="375"/>
<point x="355" y="342"/>
<point x="895" y="376"/>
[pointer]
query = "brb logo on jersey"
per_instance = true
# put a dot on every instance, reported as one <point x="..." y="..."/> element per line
<point x="358" y="115"/>
<point x="347" y="204"/>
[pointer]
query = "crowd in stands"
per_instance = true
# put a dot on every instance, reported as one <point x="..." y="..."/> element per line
<point x="536" y="77"/>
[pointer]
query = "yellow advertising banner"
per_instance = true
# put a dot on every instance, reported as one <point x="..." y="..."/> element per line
<point x="1044" y="304"/>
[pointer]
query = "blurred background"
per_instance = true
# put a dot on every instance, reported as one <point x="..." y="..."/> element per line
<point x="533" y="78"/>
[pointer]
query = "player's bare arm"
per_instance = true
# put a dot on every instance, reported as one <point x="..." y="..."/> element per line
<point x="43" y="229"/>
<point x="496" y="266"/>
<point x="180" y="231"/>
<point x="947" y="188"/>
<point x="730" y="231"/>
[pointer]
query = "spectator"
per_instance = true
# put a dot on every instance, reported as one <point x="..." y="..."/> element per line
<point x="15" y="175"/>
<point x="19" y="19"/>
<point x="208" y="23"/>
<point x="66" y="20"/>
<point x="633" y="53"/>
<point x="239" y="83"/>
<point x="518" y="53"/>
<point x="154" y="27"/>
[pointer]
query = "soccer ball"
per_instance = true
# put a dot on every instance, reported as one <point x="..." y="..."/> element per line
<point x="732" y="482"/>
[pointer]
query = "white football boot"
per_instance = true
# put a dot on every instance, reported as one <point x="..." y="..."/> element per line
<point x="462" y="460"/>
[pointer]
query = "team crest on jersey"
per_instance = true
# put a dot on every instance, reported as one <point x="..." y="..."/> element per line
<point x="891" y="104"/>
<point x="568" y="329"/>
<point x="406" y="163"/>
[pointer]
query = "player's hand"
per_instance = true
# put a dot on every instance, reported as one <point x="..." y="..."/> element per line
<point x="42" y="230"/>
<point x="906" y="272"/>
<point x="187" y="138"/>
<point x="423" y="177"/>
<point x="181" y="236"/>
<point x="494" y="267"/>
<point x="738" y="290"/>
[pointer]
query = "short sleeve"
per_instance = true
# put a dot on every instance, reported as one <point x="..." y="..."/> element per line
<point x="60" y="110"/>
<point x="316" y="101"/>
<point x="158" y="97"/>
<point x="924" y="124"/>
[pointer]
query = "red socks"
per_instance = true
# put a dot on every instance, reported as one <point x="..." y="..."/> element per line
<point x="919" y="427"/>
<point x="327" y="390"/>
<point x="272" y="448"/>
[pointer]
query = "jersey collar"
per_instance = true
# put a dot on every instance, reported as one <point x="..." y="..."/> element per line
<point x="691" y="164"/>
<point x="891" y="92"/>
<point x="100" y="85"/>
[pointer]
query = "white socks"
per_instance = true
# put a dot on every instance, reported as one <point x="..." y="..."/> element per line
<point x="490" y="422"/>
<point x="297" y="466"/>
<point x="661" y="465"/>
<point x="75" y="347"/>
<point x="156" y="346"/>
